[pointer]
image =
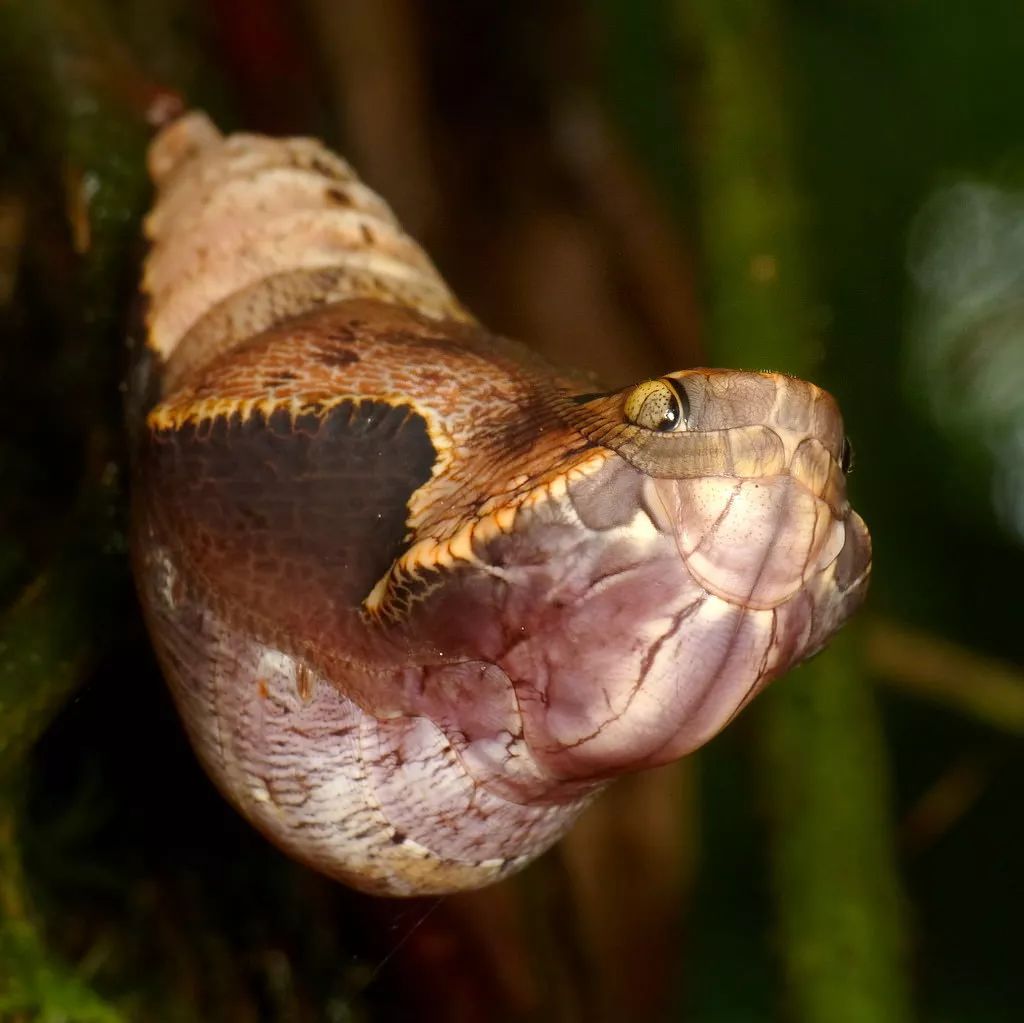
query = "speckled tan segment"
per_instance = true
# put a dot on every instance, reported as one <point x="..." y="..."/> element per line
<point x="233" y="215"/>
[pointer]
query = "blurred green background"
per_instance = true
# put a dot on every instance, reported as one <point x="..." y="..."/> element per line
<point x="833" y="189"/>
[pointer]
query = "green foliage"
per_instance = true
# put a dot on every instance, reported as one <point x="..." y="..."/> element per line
<point x="33" y="988"/>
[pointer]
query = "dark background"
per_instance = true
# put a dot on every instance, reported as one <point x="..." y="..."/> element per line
<point x="835" y="189"/>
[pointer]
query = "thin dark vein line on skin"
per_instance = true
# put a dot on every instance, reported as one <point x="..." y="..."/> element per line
<point x="712" y="681"/>
<point x="711" y="529"/>
<point x="768" y="549"/>
<point x="806" y="574"/>
<point x="762" y="670"/>
<point x="710" y="685"/>
<point x="648" y="659"/>
<point x="742" y="610"/>
<point x="602" y="580"/>
<point x="773" y="637"/>
<point x="766" y="553"/>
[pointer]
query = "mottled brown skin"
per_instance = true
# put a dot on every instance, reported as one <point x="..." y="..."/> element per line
<point x="293" y="512"/>
<point x="417" y="594"/>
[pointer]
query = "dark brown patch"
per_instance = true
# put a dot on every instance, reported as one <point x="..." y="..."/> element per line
<point x="290" y="519"/>
<point x="322" y="166"/>
<point x="338" y="356"/>
<point x="284" y="376"/>
<point x="338" y="197"/>
<point x="345" y="334"/>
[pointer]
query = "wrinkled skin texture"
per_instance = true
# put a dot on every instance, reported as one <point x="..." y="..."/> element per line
<point x="418" y="595"/>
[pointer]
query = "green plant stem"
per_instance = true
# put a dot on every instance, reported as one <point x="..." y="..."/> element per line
<point x="32" y="986"/>
<point x="77" y="123"/>
<point x="822" y="770"/>
<point x="820" y="758"/>
<point x="80" y="118"/>
<point x="59" y="627"/>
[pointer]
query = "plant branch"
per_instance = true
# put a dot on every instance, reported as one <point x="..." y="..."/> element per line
<point x="821" y="762"/>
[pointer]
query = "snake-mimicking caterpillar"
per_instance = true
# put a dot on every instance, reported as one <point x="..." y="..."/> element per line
<point x="418" y="594"/>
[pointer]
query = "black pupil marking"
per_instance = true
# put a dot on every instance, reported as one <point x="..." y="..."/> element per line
<point x="670" y="415"/>
<point x="846" y="456"/>
<point x="681" y="407"/>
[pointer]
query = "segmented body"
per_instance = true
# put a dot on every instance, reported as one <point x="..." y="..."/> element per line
<point x="418" y="595"/>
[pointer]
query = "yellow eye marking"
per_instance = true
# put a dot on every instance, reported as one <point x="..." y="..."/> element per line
<point x="658" y="405"/>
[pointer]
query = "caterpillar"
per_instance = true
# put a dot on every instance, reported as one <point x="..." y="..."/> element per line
<point x="419" y="595"/>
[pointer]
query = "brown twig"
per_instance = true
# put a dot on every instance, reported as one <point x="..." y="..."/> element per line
<point x="925" y="665"/>
<point x="373" y="68"/>
<point x="649" y="252"/>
